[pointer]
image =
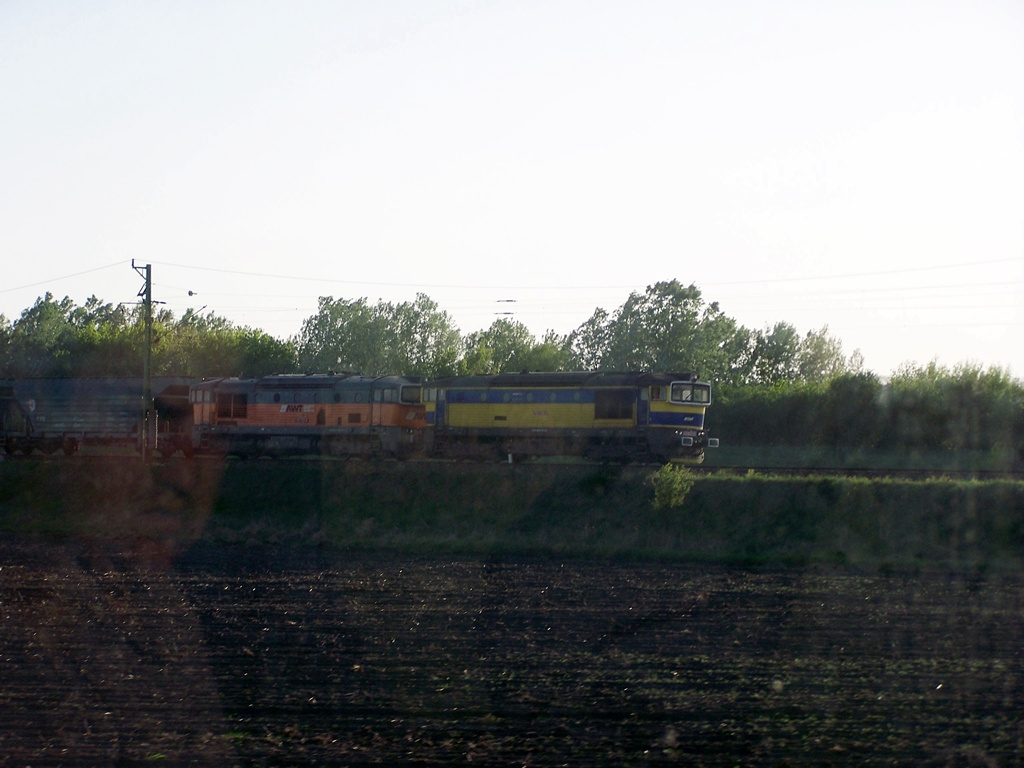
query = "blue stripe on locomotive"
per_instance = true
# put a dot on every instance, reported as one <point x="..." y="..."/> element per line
<point x="494" y="396"/>
<point x="676" y="419"/>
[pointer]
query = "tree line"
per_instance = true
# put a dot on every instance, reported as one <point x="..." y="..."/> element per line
<point x="919" y="408"/>
<point x="61" y="339"/>
<point x="669" y="327"/>
<point x="774" y="386"/>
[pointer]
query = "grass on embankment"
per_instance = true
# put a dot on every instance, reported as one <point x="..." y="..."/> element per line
<point x="535" y="510"/>
<point x="821" y="457"/>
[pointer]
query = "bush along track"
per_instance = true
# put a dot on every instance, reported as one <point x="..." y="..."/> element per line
<point x="530" y="509"/>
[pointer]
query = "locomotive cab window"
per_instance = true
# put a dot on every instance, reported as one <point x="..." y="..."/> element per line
<point x="386" y="395"/>
<point x="682" y="393"/>
<point x="411" y="394"/>
<point x="690" y="393"/>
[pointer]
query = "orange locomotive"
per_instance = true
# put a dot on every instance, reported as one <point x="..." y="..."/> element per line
<point x="329" y="414"/>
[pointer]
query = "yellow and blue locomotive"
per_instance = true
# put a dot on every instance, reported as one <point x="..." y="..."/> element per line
<point x="638" y="416"/>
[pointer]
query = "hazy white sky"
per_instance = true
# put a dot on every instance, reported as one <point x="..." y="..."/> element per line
<point x="852" y="164"/>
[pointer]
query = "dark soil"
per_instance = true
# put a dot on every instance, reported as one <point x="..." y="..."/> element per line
<point x="235" y="655"/>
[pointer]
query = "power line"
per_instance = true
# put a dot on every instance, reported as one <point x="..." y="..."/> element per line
<point x="63" y="277"/>
<point x="907" y="270"/>
<point x="620" y="287"/>
<point x="320" y="279"/>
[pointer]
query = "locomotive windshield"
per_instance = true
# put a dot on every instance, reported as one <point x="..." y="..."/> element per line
<point x="689" y="392"/>
<point x="411" y="394"/>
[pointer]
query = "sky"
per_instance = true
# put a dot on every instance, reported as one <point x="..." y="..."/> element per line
<point x="855" y="165"/>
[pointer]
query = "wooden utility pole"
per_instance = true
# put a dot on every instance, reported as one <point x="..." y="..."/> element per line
<point x="148" y="426"/>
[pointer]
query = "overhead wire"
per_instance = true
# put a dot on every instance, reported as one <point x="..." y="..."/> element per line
<point x="873" y="299"/>
<point x="62" y="277"/>
<point x="389" y="284"/>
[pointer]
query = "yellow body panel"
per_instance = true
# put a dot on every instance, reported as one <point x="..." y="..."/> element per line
<point x="662" y="406"/>
<point x="529" y="416"/>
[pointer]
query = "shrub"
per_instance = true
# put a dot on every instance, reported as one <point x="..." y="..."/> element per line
<point x="671" y="485"/>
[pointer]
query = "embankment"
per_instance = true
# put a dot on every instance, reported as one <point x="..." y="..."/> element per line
<point x="523" y="510"/>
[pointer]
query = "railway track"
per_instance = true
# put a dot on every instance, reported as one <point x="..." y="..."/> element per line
<point x="865" y="472"/>
<point x="704" y="470"/>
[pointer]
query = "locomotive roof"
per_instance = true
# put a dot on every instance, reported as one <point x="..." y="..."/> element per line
<point x="304" y="381"/>
<point x="565" y="379"/>
<point x="50" y="387"/>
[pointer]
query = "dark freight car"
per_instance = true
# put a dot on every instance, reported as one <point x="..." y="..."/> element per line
<point x="50" y="415"/>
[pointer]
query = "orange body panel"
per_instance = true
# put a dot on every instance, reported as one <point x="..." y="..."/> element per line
<point x="319" y="415"/>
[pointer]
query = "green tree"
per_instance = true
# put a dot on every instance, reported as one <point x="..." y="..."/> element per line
<point x="413" y="338"/>
<point x="776" y="355"/>
<point x="847" y="411"/>
<point x="502" y="347"/>
<point x="589" y="343"/>
<point x="260" y="354"/>
<point x="42" y="342"/>
<point x="419" y="339"/>
<point x="195" y="345"/>
<point x="550" y="354"/>
<point x="6" y="331"/>
<point x="342" y="335"/>
<point x="58" y="338"/>
<point x="508" y="346"/>
<point x="820" y="357"/>
<point x="667" y="328"/>
<point x="964" y="407"/>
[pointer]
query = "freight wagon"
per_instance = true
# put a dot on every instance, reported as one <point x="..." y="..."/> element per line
<point x="50" y="415"/>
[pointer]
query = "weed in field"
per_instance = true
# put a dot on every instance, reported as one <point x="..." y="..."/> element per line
<point x="671" y="484"/>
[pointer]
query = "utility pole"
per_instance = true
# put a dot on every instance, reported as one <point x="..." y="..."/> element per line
<point x="146" y="432"/>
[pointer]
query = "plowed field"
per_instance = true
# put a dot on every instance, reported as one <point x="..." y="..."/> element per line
<point x="245" y="656"/>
